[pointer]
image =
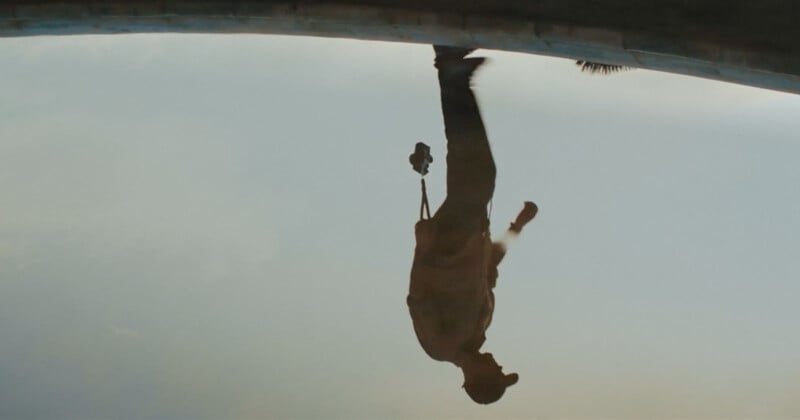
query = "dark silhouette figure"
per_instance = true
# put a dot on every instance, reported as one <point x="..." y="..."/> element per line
<point x="451" y="297"/>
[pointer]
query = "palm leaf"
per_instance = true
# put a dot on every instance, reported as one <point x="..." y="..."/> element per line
<point x="600" y="68"/>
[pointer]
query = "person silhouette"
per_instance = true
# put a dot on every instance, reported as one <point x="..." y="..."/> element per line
<point x="454" y="272"/>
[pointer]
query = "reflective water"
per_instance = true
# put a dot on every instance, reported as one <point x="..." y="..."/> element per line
<point x="223" y="226"/>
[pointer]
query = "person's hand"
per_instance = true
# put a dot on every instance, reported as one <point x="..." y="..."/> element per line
<point x="526" y="215"/>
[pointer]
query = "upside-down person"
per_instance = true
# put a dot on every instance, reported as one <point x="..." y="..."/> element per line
<point x="451" y="298"/>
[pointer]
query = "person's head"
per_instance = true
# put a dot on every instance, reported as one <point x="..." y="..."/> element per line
<point x="484" y="379"/>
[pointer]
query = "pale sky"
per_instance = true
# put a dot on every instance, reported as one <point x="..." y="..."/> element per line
<point x="222" y="226"/>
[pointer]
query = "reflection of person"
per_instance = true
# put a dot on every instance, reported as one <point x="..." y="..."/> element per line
<point x="455" y="263"/>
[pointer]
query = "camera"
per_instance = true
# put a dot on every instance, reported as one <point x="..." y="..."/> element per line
<point x="421" y="158"/>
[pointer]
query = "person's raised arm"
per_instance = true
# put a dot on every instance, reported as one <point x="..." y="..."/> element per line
<point x="526" y="215"/>
<point x="500" y="247"/>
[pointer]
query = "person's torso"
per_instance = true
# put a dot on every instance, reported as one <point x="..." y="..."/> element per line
<point x="449" y="299"/>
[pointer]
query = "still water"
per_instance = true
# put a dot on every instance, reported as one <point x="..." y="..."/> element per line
<point x="224" y="226"/>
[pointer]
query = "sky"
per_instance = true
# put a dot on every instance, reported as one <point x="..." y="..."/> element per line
<point x="221" y="226"/>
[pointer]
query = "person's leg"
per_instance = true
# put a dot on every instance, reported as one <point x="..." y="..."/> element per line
<point x="470" y="166"/>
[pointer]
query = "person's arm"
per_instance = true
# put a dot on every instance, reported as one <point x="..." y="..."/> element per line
<point x="499" y="248"/>
<point x="527" y="214"/>
<point x="498" y="252"/>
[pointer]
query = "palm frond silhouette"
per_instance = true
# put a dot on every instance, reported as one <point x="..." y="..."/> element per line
<point x="600" y="68"/>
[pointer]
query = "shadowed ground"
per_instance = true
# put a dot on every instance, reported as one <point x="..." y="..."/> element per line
<point x="751" y="43"/>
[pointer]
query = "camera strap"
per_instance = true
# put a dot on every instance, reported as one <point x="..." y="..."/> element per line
<point x="424" y="205"/>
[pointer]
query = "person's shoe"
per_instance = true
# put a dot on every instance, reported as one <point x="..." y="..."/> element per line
<point x="460" y="68"/>
<point x="445" y="52"/>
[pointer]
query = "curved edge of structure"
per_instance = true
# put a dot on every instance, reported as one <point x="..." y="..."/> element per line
<point x="536" y="35"/>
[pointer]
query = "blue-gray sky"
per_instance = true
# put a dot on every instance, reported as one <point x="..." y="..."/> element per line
<point x="222" y="226"/>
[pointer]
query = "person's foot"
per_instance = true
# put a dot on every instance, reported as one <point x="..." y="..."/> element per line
<point x="444" y="52"/>
<point x="459" y="68"/>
